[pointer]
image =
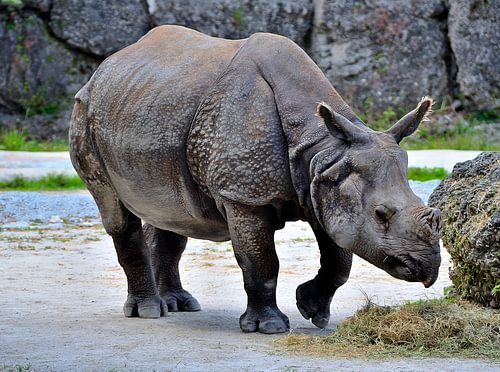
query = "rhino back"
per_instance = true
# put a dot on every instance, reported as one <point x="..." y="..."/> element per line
<point x="142" y="101"/>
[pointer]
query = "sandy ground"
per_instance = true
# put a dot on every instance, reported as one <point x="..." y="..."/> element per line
<point x="62" y="291"/>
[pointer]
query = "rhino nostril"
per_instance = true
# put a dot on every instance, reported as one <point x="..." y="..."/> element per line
<point x="429" y="218"/>
<point x="435" y="220"/>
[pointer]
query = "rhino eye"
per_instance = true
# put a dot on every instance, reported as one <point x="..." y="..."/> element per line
<point x="384" y="214"/>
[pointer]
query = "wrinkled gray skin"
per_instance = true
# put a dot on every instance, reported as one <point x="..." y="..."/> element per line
<point x="216" y="139"/>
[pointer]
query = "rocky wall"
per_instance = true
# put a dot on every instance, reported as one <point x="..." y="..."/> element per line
<point x="379" y="54"/>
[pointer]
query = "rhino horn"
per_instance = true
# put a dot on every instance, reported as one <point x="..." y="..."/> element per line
<point x="339" y="126"/>
<point x="409" y="123"/>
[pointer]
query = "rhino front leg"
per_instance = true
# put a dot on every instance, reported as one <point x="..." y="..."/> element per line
<point x="252" y="235"/>
<point x="314" y="297"/>
<point x="166" y="251"/>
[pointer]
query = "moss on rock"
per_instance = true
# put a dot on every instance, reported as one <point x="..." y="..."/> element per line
<point x="470" y="202"/>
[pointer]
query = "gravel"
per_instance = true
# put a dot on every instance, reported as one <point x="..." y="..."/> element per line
<point x="53" y="209"/>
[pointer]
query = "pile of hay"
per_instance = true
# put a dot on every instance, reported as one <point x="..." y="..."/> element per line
<point x="441" y="328"/>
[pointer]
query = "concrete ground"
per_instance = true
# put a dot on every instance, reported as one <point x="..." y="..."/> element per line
<point x="62" y="290"/>
<point x="35" y="164"/>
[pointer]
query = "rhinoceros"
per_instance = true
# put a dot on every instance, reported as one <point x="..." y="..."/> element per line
<point x="216" y="139"/>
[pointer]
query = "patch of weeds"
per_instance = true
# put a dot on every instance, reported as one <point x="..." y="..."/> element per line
<point x="384" y="120"/>
<point x="38" y="104"/>
<point x="25" y="247"/>
<point x="12" y="3"/>
<point x="14" y="140"/>
<point x="496" y="289"/>
<point x="53" y="181"/>
<point x="302" y="240"/>
<point x="426" y="174"/>
<point x="447" y="129"/>
<point x="21" y="239"/>
<point x="91" y="239"/>
<point x="467" y="141"/>
<point x="424" y="328"/>
<point x="483" y="116"/>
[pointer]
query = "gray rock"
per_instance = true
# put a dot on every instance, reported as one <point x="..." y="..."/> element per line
<point x="474" y="31"/>
<point x="237" y="19"/>
<point x="381" y="53"/>
<point x="40" y="5"/>
<point x="469" y="200"/>
<point x="99" y="27"/>
<point x="38" y="74"/>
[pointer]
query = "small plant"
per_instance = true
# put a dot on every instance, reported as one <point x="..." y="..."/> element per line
<point x="238" y="17"/>
<point x="12" y="140"/>
<point x="496" y="289"/>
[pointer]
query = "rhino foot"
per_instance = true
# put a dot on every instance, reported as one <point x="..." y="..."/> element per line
<point x="267" y="320"/>
<point x="180" y="300"/>
<point x="152" y="307"/>
<point x="312" y="305"/>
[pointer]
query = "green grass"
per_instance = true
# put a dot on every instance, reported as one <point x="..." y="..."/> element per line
<point x="463" y="132"/>
<point x="48" y="182"/>
<point x="56" y="181"/>
<point x="425" y="328"/>
<point x="14" y="3"/>
<point x="426" y="174"/>
<point x="466" y="141"/>
<point x="14" y="140"/>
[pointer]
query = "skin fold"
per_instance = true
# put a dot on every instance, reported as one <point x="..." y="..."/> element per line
<point x="184" y="135"/>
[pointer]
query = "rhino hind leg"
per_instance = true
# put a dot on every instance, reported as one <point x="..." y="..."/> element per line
<point x="252" y="235"/>
<point x="125" y="228"/>
<point x="133" y="255"/>
<point x="166" y="250"/>
<point x="314" y="296"/>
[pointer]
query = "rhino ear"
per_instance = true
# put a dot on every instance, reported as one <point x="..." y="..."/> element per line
<point x="338" y="126"/>
<point x="410" y="122"/>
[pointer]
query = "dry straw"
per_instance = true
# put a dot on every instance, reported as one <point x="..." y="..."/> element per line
<point x="444" y="328"/>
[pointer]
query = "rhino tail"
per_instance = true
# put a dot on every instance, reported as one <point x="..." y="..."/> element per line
<point x="83" y="95"/>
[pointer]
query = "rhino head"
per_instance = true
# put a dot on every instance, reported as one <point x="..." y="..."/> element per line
<point x="362" y="198"/>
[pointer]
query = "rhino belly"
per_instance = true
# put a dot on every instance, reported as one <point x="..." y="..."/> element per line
<point x="171" y="201"/>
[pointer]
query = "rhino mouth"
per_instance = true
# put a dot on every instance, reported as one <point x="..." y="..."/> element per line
<point x="411" y="270"/>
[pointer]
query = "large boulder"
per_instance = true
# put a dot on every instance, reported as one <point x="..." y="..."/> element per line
<point x="470" y="202"/>
<point x="99" y="27"/>
<point x="474" y="31"/>
<point x="382" y="53"/>
<point x="237" y="19"/>
<point x="38" y="74"/>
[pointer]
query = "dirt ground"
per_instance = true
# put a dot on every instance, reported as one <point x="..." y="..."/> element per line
<point x="62" y="291"/>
